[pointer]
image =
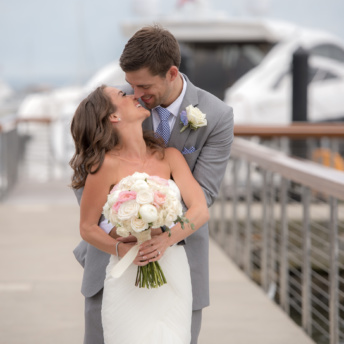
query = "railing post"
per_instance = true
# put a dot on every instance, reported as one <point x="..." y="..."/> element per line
<point x="234" y="241"/>
<point x="271" y="237"/>
<point x="284" y="265"/>
<point x="248" y="227"/>
<point x="2" y="169"/>
<point x="265" y="236"/>
<point x="334" y="279"/>
<point x="306" y="266"/>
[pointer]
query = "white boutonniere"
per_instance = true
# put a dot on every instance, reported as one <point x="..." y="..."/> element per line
<point x="193" y="118"/>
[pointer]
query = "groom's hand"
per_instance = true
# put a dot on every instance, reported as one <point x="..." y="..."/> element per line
<point x="128" y="239"/>
<point x="113" y="233"/>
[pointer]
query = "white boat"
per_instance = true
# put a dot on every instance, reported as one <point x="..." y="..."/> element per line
<point x="264" y="94"/>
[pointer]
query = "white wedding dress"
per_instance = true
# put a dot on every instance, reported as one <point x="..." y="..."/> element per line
<point x="133" y="315"/>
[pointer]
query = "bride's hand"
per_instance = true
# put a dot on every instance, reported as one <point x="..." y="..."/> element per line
<point x="152" y="250"/>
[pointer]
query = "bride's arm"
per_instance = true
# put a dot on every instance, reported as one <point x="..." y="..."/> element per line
<point x="194" y="200"/>
<point x="192" y="195"/>
<point x="94" y="196"/>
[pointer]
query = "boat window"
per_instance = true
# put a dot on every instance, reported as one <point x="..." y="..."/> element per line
<point x="280" y="79"/>
<point x="215" y="66"/>
<point x="314" y="75"/>
<point x="318" y="74"/>
<point x="331" y="51"/>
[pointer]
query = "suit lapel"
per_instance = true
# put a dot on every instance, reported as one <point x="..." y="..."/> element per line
<point x="177" y="138"/>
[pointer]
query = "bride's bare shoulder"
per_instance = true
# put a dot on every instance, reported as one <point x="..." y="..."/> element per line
<point x="173" y="155"/>
<point x="173" y="152"/>
<point x="109" y="163"/>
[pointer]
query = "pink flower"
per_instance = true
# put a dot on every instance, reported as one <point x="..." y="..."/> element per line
<point x="159" y="198"/>
<point x="159" y="180"/>
<point x="124" y="196"/>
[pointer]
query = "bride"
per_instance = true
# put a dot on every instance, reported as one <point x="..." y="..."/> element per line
<point x="110" y="145"/>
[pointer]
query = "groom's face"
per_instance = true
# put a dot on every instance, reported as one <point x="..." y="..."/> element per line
<point x="153" y="90"/>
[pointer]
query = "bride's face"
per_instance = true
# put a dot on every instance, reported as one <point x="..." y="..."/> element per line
<point x="128" y="107"/>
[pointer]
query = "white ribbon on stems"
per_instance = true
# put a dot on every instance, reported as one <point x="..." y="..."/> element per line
<point x="130" y="256"/>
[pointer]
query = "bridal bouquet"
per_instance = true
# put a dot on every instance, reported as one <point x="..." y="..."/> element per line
<point x="138" y="203"/>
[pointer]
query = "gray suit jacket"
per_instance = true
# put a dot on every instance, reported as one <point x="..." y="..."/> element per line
<point x="208" y="164"/>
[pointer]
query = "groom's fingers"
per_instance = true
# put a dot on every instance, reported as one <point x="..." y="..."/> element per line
<point x="129" y="238"/>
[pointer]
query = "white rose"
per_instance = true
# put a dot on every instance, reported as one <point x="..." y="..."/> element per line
<point x="171" y="202"/>
<point x="173" y="188"/>
<point x="127" y="210"/>
<point x="155" y="186"/>
<point x="138" y="225"/>
<point x="123" y="232"/>
<point x="170" y="218"/>
<point x="160" y="221"/>
<point x="195" y="117"/>
<point x="106" y="210"/>
<point x="138" y="175"/>
<point x="125" y="183"/>
<point x="145" y="196"/>
<point x="140" y="185"/>
<point x="173" y="207"/>
<point x="148" y="213"/>
<point x="113" y="218"/>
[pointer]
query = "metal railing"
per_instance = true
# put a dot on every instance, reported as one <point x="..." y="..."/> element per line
<point x="281" y="220"/>
<point x="33" y="149"/>
<point x="10" y="150"/>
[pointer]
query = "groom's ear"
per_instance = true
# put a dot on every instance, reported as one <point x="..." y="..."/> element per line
<point x="173" y="72"/>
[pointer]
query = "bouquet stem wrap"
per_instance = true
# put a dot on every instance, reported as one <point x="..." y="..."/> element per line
<point x="150" y="275"/>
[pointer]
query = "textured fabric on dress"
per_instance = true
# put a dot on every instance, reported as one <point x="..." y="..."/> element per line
<point x="149" y="316"/>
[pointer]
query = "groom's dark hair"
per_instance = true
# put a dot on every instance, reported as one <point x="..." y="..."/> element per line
<point x="151" y="47"/>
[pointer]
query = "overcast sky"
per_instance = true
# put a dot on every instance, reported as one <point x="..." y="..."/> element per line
<point x="66" y="41"/>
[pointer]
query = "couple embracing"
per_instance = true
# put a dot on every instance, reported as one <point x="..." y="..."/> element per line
<point x="160" y="126"/>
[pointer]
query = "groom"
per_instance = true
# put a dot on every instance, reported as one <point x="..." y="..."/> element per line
<point x="151" y="61"/>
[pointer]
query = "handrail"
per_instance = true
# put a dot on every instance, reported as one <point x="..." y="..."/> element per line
<point x="44" y="120"/>
<point x="295" y="130"/>
<point x="299" y="130"/>
<point x="280" y="219"/>
<point x="327" y="180"/>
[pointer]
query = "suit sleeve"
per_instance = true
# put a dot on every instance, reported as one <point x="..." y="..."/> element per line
<point x="212" y="161"/>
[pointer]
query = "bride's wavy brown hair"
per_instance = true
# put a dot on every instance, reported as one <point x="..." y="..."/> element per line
<point x="94" y="136"/>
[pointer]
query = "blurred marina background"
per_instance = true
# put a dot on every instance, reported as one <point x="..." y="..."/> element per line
<point x="279" y="217"/>
<point x="49" y="44"/>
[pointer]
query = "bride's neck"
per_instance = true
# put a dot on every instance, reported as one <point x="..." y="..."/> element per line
<point x="132" y="147"/>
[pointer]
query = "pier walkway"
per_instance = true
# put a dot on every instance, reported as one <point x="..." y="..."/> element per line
<point x="40" y="280"/>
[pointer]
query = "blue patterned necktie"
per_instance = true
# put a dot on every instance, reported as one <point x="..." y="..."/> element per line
<point x="163" y="129"/>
